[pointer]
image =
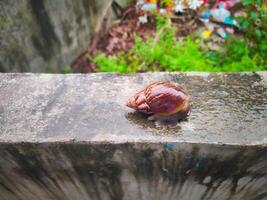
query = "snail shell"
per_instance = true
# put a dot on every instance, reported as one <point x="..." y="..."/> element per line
<point x="161" y="99"/>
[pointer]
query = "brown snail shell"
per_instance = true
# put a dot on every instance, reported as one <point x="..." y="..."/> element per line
<point x="161" y="99"/>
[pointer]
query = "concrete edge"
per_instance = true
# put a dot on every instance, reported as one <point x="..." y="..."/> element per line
<point x="191" y="73"/>
<point x="255" y="144"/>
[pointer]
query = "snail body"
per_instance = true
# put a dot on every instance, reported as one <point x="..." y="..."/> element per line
<point x="164" y="101"/>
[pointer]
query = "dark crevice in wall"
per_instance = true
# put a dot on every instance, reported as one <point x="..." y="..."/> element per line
<point x="32" y="168"/>
<point x="49" y="38"/>
<point x="96" y="169"/>
<point x="90" y="7"/>
<point x="2" y="68"/>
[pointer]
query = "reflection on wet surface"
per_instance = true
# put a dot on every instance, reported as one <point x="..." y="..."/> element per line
<point x="141" y="120"/>
<point x="228" y="104"/>
<point x="228" y="108"/>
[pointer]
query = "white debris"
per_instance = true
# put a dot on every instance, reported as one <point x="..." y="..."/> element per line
<point x="194" y="4"/>
<point x="179" y="8"/>
<point x="221" y="32"/>
<point x="162" y="11"/>
<point x="143" y="19"/>
<point x="220" y="14"/>
<point x="140" y="3"/>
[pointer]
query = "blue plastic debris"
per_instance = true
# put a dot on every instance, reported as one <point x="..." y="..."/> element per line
<point x="168" y="145"/>
<point x="205" y="15"/>
<point x="198" y="163"/>
<point x="149" y="6"/>
<point x="230" y="21"/>
<point x="221" y="32"/>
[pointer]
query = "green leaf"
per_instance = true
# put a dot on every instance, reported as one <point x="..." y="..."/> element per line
<point x="254" y="16"/>
<point x="258" y="33"/>
<point x="244" y="24"/>
<point x="259" y="3"/>
<point x="247" y="2"/>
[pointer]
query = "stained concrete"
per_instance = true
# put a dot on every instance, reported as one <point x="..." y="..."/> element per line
<point x="227" y="108"/>
<point x="145" y="171"/>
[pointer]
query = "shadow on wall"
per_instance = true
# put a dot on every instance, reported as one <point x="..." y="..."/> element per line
<point x="36" y="35"/>
<point x="127" y="171"/>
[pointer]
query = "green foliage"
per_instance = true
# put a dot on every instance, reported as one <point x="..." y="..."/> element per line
<point x="254" y="25"/>
<point x="115" y="63"/>
<point x="239" y="56"/>
<point x="236" y="56"/>
<point x="161" y="21"/>
<point x="166" y="3"/>
<point x="164" y="52"/>
<point x="169" y="55"/>
<point x="65" y="70"/>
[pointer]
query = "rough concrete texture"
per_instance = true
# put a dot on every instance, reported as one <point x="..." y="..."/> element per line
<point x="142" y="171"/>
<point x="71" y="137"/>
<point x="36" y="35"/>
<point x="227" y="108"/>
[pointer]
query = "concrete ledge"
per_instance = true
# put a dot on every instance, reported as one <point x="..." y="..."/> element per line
<point x="227" y="108"/>
<point x="71" y="137"/>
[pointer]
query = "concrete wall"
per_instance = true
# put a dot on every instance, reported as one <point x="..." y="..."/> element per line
<point x="143" y="171"/>
<point x="72" y="137"/>
<point x="40" y="34"/>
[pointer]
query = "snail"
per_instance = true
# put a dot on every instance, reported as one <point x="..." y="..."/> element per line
<point x="164" y="102"/>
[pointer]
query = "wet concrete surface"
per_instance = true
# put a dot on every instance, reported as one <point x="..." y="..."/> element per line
<point x="71" y="137"/>
<point x="226" y="108"/>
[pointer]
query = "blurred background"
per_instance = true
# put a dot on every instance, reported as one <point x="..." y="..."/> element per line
<point x="132" y="36"/>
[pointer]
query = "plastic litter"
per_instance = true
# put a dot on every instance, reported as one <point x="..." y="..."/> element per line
<point x="205" y="15"/>
<point x="179" y="8"/>
<point x="194" y="4"/>
<point x="168" y="145"/>
<point x="149" y="6"/>
<point x="218" y="19"/>
<point x="221" y="32"/>
<point x="222" y="15"/>
<point x="210" y="26"/>
<point x="139" y="3"/>
<point x="162" y="11"/>
<point x="229" y="30"/>
<point x="173" y="6"/>
<point x="227" y="4"/>
<point x="143" y="19"/>
<point x="219" y="14"/>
